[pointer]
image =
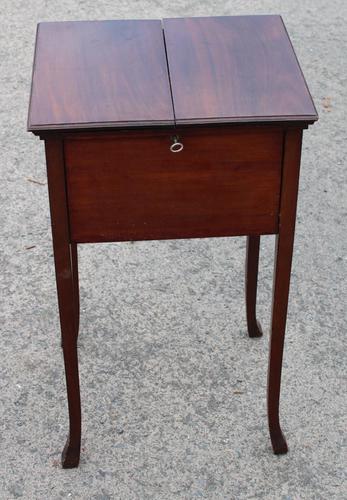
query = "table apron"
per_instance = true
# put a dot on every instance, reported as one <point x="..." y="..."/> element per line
<point x="130" y="186"/>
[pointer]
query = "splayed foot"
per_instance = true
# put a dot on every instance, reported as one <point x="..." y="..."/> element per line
<point x="255" y="330"/>
<point x="278" y="441"/>
<point x="71" y="455"/>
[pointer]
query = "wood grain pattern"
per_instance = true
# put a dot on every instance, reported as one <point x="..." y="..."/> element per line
<point x="115" y="185"/>
<point x="99" y="74"/>
<point x="131" y="187"/>
<point x="283" y="264"/>
<point x="232" y="69"/>
<point x="251" y="285"/>
<point x="67" y="289"/>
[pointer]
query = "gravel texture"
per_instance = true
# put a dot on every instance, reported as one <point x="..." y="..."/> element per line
<point x="173" y="390"/>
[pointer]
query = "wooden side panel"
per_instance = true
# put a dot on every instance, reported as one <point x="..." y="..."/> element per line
<point x="129" y="186"/>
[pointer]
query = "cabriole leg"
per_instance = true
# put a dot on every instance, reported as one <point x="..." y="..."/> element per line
<point x="74" y="263"/>
<point x="65" y="258"/>
<point x="283" y="262"/>
<point x="252" y="264"/>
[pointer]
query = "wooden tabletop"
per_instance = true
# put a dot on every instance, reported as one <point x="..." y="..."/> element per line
<point x="235" y="69"/>
<point x="98" y="74"/>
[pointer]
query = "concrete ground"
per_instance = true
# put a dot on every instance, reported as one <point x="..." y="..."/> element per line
<point x="173" y="390"/>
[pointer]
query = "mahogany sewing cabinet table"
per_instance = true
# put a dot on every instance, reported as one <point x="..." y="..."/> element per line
<point x="181" y="128"/>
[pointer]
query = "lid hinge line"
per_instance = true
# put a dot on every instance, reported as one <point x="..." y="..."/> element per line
<point x="169" y="76"/>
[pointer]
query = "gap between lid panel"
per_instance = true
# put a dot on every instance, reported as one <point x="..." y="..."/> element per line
<point x="168" y="73"/>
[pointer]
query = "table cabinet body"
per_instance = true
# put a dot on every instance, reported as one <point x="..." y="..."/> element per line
<point x="186" y="128"/>
<point x="224" y="182"/>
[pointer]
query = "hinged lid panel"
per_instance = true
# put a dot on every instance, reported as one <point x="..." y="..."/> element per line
<point x="232" y="69"/>
<point x="99" y="74"/>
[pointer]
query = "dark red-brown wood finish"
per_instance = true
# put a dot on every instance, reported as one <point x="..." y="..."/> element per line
<point x="66" y="278"/>
<point x="235" y="69"/>
<point x="231" y="91"/>
<point x="224" y="183"/>
<point x="283" y="263"/>
<point x="101" y="74"/>
<point x="251" y="283"/>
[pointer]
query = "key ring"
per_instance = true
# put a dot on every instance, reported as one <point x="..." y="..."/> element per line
<point x="176" y="146"/>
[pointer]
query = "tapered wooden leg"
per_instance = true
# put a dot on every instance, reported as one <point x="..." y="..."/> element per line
<point x="279" y="312"/>
<point x="76" y="300"/>
<point x="74" y="263"/>
<point x="71" y="451"/>
<point x="252" y="264"/>
<point x="66" y="288"/>
<point x="283" y="260"/>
